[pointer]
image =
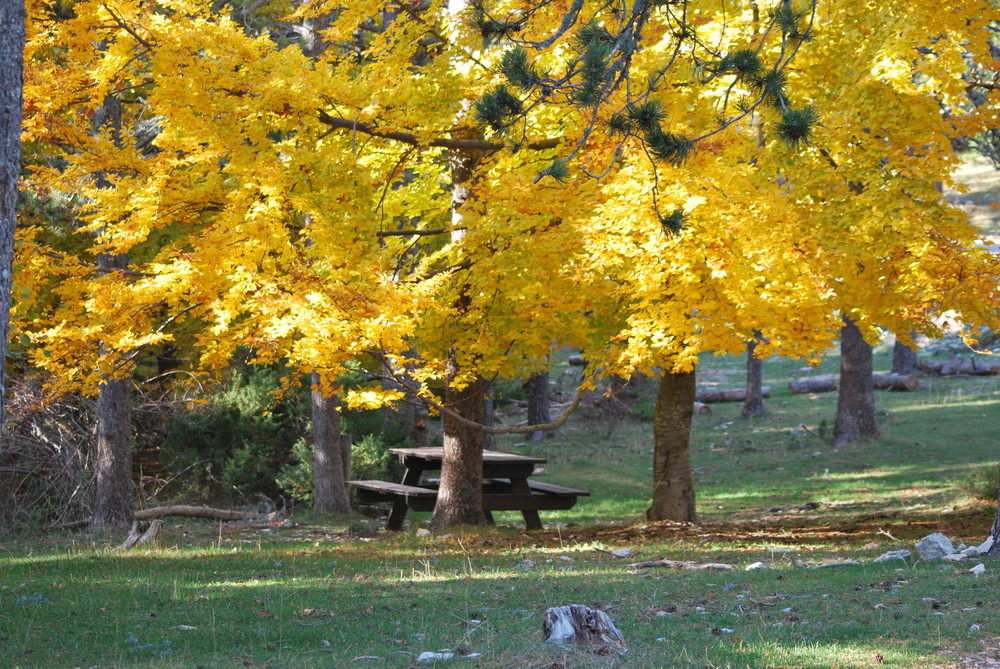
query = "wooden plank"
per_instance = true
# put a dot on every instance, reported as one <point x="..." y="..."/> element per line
<point x="526" y="502"/>
<point x="394" y="488"/>
<point x="501" y="485"/>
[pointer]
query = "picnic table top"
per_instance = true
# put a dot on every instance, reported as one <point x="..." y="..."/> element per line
<point x="435" y="455"/>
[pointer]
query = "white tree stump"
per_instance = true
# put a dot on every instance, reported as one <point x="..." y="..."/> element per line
<point x="143" y="533"/>
<point x="586" y="627"/>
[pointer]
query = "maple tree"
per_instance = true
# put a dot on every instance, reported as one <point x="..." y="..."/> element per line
<point x="425" y="202"/>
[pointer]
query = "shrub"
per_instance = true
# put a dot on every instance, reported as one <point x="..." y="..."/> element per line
<point x="982" y="482"/>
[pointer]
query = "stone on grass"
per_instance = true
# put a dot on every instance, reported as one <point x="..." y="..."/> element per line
<point x="977" y="570"/>
<point x="955" y="557"/>
<point x="430" y="656"/>
<point x="755" y="566"/>
<point x="934" y="546"/>
<point x="985" y="547"/>
<point x="894" y="555"/>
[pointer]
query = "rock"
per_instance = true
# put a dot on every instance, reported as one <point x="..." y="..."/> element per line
<point x="977" y="570"/>
<point x="423" y="533"/>
<point x="955" y="557"/>
<point x="934" y="546"/>
<point x="429" y="656"/>
<point x="622" y="552"/>
<point x="755" y="566"/>
<point x="985" y="547"/>
<point x="971" y="551"/>
<point x="894" y="555"/>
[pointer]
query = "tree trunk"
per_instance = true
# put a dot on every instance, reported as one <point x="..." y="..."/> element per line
<point x="856" y="400"/>
<point x="12" y="17"/>
<point x="995" y="531"/>
<point x="331" y="461"/>
<point x="114" y="493"/>
<point x="537" y="390"/>
<point x="754" y="403"/>
<point x="904" y="359"/>
<point x="460" y="495"/>
<point x="673" y="481"/>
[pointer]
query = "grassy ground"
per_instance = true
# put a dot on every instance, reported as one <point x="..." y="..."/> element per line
<point x="339" y="594"/>
<point x="326" y="594"/>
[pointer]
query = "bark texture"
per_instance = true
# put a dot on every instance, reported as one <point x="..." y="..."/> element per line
<point x="825" y="383"/>
<point x="537" y="390"/>
<point x="753" y="405"/>
<point x="673" y="481"/>
<point x="331" y="453"/>
<point x="904" y="359"/>
<point x="856" y="400"/>
<point x="114" y="496"/>
<point x="12" y="17"/>
<point x="460" y="495"/>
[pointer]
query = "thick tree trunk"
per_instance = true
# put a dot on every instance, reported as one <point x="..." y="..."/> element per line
<point x="331" y="453"/>
<point x="673" y="481"/>
<point x="12" y="17"/>
<point x="460" y="495"/>
<point x="114" y="495"/>
<point x="904" y="359"/>
<point x="754" y="403"/>
<point x="537" y="390"/>
<point x="856" y="400"/>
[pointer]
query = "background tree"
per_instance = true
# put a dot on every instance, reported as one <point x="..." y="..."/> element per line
<point x="12" y="26"/>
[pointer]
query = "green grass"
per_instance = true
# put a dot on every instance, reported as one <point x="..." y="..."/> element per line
<point x="322" y="595"/>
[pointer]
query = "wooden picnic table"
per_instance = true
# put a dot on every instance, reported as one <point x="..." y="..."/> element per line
<point x="507" y="486"/>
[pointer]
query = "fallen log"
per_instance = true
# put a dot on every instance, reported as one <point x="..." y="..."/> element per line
<point x="813" y="384"/>
<point x="959" y="366"/>
<point x="702" y="409"/>
<point x="201" y="512"/>
<point x="681" y="564"/>
<point x="895" y="381"/>
<point x="727" y="394"/>
<point x="576" y="361"/>
<point x="583" y="626"/>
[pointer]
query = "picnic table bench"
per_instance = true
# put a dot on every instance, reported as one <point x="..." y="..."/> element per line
<point x="506" y="487"/>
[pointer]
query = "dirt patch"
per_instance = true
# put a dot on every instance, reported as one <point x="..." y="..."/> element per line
<point x="987" y="658"/>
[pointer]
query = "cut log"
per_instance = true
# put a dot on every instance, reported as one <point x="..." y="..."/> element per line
<point x="576" y="361"/>
<point x="199" y="512"/>
<point x="142" y="533"/>
<point x="702" y="409"/>
<point x="586" y="627"/>
<point x="813" y="384"/>
<point x="958" y="366"/>
<point x="727" y="394"/>
<point x="895" y="381"/>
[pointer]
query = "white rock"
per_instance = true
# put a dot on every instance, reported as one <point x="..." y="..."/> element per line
<point x="954" y="557"/>
<point x="756" y="565"/>
<point x="985" y="547"/>
<point x="622" y="552"/>
<point x="894" y="555"/>
<point x="973" y="628"/>
<point x="934" y="546"/>
<point x="423" y="533"/>
<point x="977" y="570"/>
<point x="429" y="656"/>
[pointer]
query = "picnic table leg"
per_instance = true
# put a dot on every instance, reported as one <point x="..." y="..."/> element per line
<point x="531" y="518"/>
<point x="397" y="515"/>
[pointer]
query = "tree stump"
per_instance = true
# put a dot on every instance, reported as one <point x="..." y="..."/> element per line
<point x="578" y="624"/>
<point x="142" y="533"/>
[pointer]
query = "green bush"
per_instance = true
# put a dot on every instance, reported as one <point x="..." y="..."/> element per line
<point x="370" y="459"/>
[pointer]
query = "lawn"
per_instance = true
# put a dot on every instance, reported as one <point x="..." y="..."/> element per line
<point x="333" y="594"/>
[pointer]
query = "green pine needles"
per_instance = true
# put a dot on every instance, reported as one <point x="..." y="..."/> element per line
<point x="498" y="108"/>
<point x="796" y="126"/>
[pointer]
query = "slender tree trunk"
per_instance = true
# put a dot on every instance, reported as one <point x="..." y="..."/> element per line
<point x="12" y="17"/>
<point x="537" y="390"/>
<point x="753" y="405"/>
<point x="995" y="531"/>
<point x="114" y="497"/>
<point x="904" y="359"/>
<point x="673" y="481"/>
<point x="856" y="400"/>
<point x="331" y="453"/>
<point x="460" y="496"/>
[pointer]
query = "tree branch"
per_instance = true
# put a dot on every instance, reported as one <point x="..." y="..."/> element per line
<point x="412" y="233"/>
<point x="442" y="142"/>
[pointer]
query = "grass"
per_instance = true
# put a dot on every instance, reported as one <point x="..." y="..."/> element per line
<point x="323" y="595"/>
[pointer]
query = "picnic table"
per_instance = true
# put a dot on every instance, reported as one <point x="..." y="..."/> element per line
<point x="507" y="486"/>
